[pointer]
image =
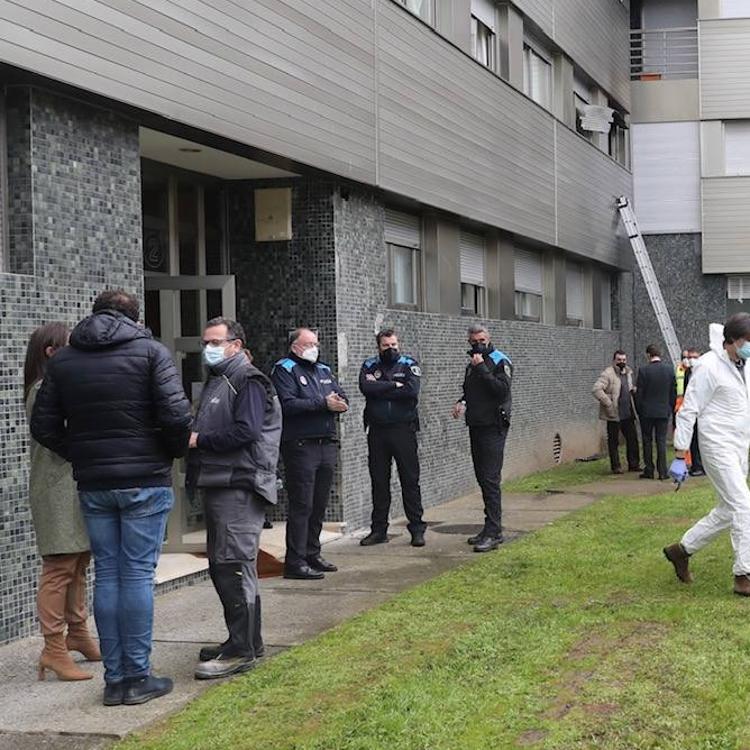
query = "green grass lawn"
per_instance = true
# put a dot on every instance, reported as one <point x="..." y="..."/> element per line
<point x="576" y="636"/>
<point x="560" y="477"/>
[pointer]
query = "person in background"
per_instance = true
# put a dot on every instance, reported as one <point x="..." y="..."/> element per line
<point x="614" y="390"/>
<point x="655" y="400"/>
<point x="696" y="463"/>
<point x="61" y="536"/>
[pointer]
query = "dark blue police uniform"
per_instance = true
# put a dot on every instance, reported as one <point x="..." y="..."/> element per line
<point x="309" y="449"/>
<point x="392" y="393"/>
<point x="487" y="396"/>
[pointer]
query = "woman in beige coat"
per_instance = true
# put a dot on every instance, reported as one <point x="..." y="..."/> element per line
<point x="60" y="533"/>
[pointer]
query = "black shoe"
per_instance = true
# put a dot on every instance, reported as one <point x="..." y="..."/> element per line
<point x="207" y="653"/>
<point x="634" y="468"/>
<point x="472" y="540"/>
<point x="374" y="537"/>
<point x="144" y="689"/>
<point x="645" y="475"/>
<point x="417" y="538"/>
<point x="488" y="543"/>
<point x="302" y="573"/>
<point x="223" y="666"/>
<point x="697" y="473"/>
<point x="321" y="565"/>
<point x="114" y="692"/>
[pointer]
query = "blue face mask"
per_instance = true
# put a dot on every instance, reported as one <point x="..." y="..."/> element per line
<point x="213" y="355"/>
<point x="744" y="350"/>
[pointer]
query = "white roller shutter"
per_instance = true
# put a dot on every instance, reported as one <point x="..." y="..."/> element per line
<point x="574" y="291"/>
<point x="606" y="304"/>
<point x="527" y="267"/>
<point x="472" y="258"/>
<point x="735" y="9"/>
<point x="484" y="11"/>
<point x="403" y="229"/>
<point x="737" y="147"/>
<point x="666" y="176"/>
<point x="738" y="288"/>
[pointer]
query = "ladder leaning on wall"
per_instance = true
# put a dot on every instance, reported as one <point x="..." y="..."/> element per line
<point x="649" y="279"/>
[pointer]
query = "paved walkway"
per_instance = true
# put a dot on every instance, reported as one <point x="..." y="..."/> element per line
<point x="69" y="716"/>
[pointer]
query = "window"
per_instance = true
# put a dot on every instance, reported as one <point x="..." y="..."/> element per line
<point x="574" y="294"/>
<point x="473" y="276"/>
<point x="619" y="141"/>
<point x="537" y="75"/>
<point x="3" y="188"/>
<point x="403" y="237"/>
<point x="529" y="285"/>
<point x="737" y="147"/>
<point x="483" y="30"/>
<point x="734" y="9"/>
<point x="605" y="291"/>
<point x="421" y="8"/>
<point x="581" y="98"/>
<point x="738" y="288"/>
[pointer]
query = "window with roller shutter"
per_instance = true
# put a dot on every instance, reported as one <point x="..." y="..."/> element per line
<point x="528" y="271"/>
<point x="473" y="273"/>
<point x="403" y="237"/>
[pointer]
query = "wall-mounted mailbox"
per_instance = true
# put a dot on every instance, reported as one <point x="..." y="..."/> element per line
<point x="273" y="214"/>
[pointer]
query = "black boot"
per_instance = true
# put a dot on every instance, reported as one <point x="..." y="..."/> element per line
<point x="374" y="537"/>
<point x="144" y="689"/>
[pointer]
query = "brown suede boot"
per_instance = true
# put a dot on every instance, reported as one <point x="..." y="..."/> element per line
<point x="56" y="658"/>
<point x="742" y="585"/>
<point x="680" y="559"/>
<point x="79" y="638"/>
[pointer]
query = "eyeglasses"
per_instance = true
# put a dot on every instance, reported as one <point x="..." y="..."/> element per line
<point x="216" y="342"/>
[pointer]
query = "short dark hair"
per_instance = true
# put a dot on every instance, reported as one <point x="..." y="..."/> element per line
<point x="693" y="350"/>
<point x="737" y="327"/>
<point x="619" y="353"/>
<point x="384" y="333"/>
<point x="297" y="332"/>
<point x="120" y="301"/>
<point x="234" y="329"/>
<point x="653" y="350"/>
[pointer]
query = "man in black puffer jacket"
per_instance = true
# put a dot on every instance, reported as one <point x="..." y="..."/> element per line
<point x="113" y="405"/>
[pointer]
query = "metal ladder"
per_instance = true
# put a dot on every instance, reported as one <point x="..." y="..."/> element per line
<point x="649" y="279"/>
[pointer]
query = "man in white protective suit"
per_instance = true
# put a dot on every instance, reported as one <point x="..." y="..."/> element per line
<point x="718" y="397"/>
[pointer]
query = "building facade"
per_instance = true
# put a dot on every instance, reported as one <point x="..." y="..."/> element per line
<point x="691" y="159"/>
<point x="424" y="164"/>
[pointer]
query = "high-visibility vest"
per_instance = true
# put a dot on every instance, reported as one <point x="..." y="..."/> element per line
<point x="679" y="374"/>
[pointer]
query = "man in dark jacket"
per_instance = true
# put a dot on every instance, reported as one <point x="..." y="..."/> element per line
<point x="236" y="448"/>
<point x="310" y="399"/>
<point x="113" y="405"/>
<point x="486" y="403"/>
<point x="655" y="396"/>
<point x="390" y="383"/>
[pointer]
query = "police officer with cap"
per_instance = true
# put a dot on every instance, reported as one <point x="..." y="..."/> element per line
<point x="390" y="383"/>
<point x="486" y="403"/>
<point x="311" y="400"/>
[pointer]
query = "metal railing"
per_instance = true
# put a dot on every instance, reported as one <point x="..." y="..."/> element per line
<point x="663" y="54"/>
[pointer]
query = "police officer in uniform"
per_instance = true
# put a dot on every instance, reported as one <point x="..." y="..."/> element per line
<point x="310" y="399"/>
<point x="235" y="449"/>
<point x="486" y="402"/>
<point x="390" y="383"/>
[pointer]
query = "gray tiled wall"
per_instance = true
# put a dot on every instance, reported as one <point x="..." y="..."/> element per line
<point x="78" y="231"/>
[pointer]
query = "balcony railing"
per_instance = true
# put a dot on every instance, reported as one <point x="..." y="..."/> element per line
<point x="659" y="54"/>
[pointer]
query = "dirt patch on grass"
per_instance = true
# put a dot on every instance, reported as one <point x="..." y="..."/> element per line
<point x="532" y="737"/>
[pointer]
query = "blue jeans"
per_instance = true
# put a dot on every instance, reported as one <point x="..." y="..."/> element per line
<point x="126" y="529"/>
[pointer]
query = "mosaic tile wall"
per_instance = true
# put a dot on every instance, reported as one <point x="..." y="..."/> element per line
<point x="82" y="211"/>
<point x="284" y="285"/>
<point x="554" y="371"/>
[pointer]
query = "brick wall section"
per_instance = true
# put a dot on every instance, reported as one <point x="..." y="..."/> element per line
<point x="85" y="220"/>
<point x="554" y="371"/>
<point x="694" y="300"/>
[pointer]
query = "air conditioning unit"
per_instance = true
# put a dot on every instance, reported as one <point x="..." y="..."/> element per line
<point x="738" y="288"/>
<point x="596" y="118"/>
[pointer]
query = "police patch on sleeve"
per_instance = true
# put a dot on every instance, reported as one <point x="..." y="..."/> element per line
<point x="507" y="370"/>
<point x="303" y="380"/>
<point x="416" y="370"/>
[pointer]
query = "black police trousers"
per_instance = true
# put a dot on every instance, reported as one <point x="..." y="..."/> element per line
<point x="386" y="443"/>
<point x="234" y="519"/>
<point x="309" y="466"/>
<point x="487" y="453"/>
<point x="654" y="430"/>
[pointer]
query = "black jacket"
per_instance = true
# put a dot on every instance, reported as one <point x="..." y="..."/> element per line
<point x="113" y="405"/>
<point x="388" y="403"/>
<point x="655" y="391"/>
<point x="302" y="387"/>
<point x="487" y="391"/>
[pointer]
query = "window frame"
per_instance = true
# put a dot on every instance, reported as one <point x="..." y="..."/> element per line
<point x="479" y="293"/>
<point x="430" y="10"/>
<point x="570" y="321"/>
<point x="416" y="273"/>
<point x="489" y="37"/>
<point x="4" y="239"/>
<point x="530" y="47"/>
<point x="520" y="296"/>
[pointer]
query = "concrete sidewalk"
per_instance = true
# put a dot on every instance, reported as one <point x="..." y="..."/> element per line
<point x="69" y="716"/>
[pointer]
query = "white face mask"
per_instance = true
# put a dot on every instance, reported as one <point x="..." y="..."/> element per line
<point x="212" y="355"/>
<point x="686" y="362"/>
<point x="693" y="361"/>
<point x="311" y="354"/>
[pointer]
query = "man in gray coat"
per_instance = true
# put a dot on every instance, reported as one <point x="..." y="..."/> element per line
<point x="235" y="448"/>
<point x="614" y="391"/>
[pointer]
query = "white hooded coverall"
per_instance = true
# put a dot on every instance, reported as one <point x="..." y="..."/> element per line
<point x="719" y="398"/>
